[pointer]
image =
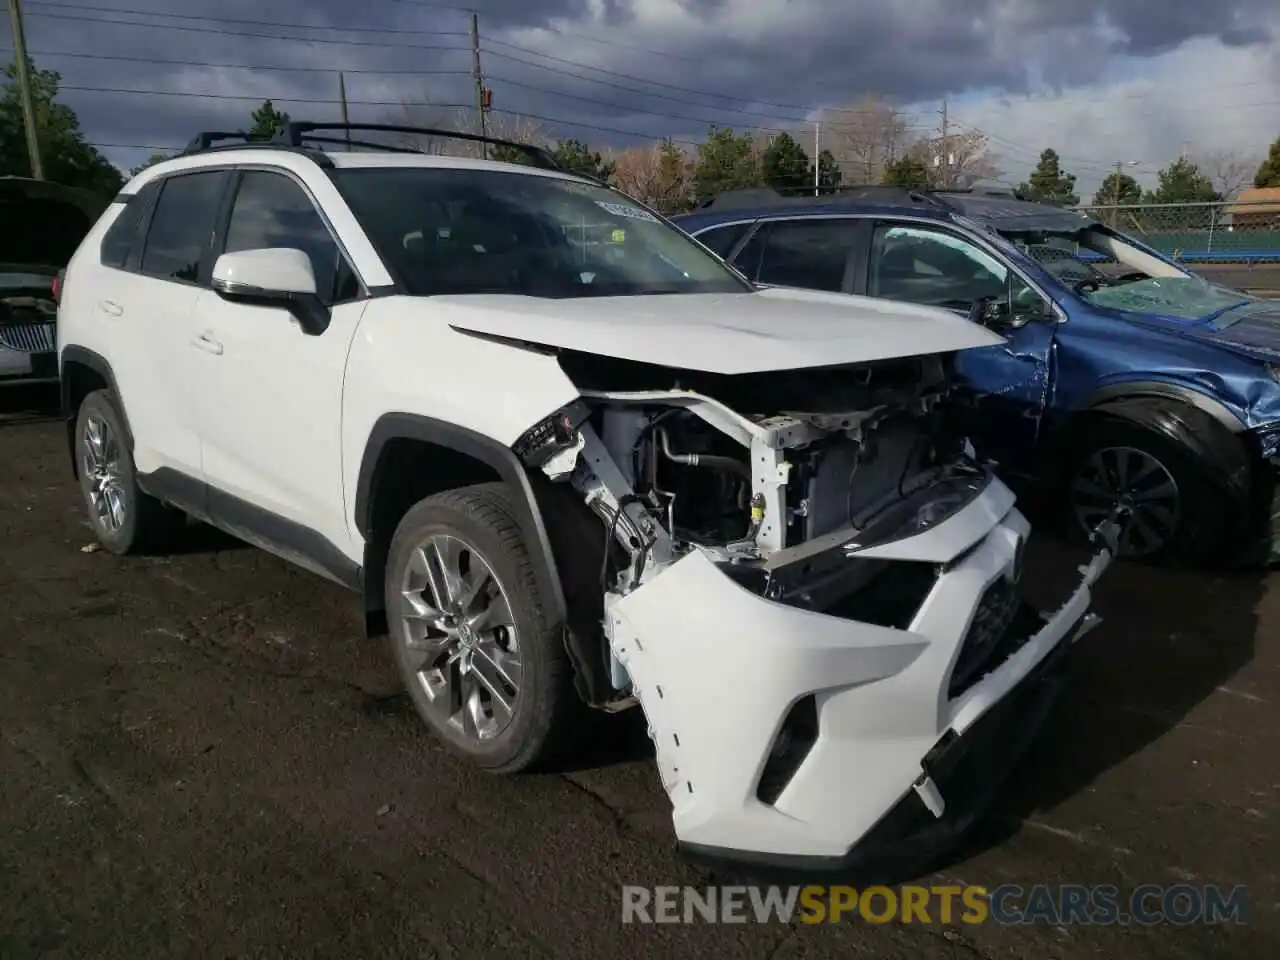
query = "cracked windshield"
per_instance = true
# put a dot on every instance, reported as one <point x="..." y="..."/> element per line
<point x="1083" y="262"/>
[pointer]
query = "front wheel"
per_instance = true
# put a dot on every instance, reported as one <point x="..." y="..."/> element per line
<point x="1166" y="508"/>
<point x="470" y="634"/>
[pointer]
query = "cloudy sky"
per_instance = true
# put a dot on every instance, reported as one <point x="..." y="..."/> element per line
<point x="1101" y="81"/>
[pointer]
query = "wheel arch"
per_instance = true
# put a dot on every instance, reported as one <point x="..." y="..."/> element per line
<point x="1198" y="423"/>
<point x="81" y="371"/>
<point x="408" y="457"/>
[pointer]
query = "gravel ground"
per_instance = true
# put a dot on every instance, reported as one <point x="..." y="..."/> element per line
<point x="201" y="756"/>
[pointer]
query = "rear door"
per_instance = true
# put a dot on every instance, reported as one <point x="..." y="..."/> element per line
<point x="144" y="302"/>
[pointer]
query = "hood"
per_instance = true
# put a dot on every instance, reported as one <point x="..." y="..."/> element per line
<point x="53" y="218"/>
<point x="770" y="329"/>
<point x="1252" y="328"/>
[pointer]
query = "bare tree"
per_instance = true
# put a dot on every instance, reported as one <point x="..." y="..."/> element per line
<point x="865" y="136"/>
<point x="658" y="174"/>
<point x="421" y="112"/>
<point x="1230" y="171"/>
<point x="957" y="161"/>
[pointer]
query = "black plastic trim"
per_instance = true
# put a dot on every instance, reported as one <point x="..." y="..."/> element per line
<point x="1165" y="391"/>
<point x="284" y="538"/>
<point x="503" y="461"/>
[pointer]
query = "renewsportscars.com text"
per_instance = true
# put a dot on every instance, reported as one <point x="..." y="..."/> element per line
<point x="1060" y="905"/>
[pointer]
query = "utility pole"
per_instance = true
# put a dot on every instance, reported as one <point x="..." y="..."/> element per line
<point x="342" y="96"/>
<point x="24" y="89"/>
<point x="479" y="79"/>
<point x="945" y="147"/>
<point x="817" y="157"/>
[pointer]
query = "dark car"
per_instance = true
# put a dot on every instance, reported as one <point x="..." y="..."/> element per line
<point x="42" y="224"/>
<point x="1127" y="386"/>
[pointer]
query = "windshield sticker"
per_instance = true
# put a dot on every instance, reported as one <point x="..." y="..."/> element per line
<point x="619" y="236"/>
<point x="622" y="210"/>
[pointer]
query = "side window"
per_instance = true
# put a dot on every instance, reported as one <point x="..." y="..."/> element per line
<point x="722" y="239"/>
<point x="808" y="253"/>
<point x="748" y="258"/>
<point x="182" y="225"/>
<point x="271" y="210"/>
<point x="932" y="267"/>
<point x="118" y="240"/>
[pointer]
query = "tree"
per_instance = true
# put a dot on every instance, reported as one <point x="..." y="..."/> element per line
<point x="785" y="166"/>
<point x="829" y="174"/>
<point x="267" y="121"/>
<point x="956" y="161"/>
<point x="1049" y="184"/>
<point x="577" y="156"/>
<point x="1117" y="189"/>
<point x="64" y="154"/>
<point x="869" y="134"/>
<point x="725" y="162"/>
<point x="1268" y="174"/>
<point x="149" y="162"/>
<point x="1227" y="170"/>
<point x="1183" y="182"/>
<point x="908" y="172"/>
<point x="659" y="175"/>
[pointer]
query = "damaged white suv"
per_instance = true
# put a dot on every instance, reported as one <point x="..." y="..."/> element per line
<point x="568" y="456"/>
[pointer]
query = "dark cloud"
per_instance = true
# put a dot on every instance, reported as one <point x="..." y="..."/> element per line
<point x="642" y="80"/>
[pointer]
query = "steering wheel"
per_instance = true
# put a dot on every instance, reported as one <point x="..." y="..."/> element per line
<point x="1087" y="285"/>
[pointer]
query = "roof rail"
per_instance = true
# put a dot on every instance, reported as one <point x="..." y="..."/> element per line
<point x="296" y="134"/>
<point x="760" y="197"/>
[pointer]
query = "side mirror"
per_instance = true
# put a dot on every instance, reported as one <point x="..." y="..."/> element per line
<point x="273" y="277"/>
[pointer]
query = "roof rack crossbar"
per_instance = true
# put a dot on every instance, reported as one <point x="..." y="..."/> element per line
<point x="205" y="140"/>
<point x="295" y="133"/>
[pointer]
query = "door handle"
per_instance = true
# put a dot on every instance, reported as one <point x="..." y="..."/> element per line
<point x="208" y="344"/>
<point x="111" y="308"/>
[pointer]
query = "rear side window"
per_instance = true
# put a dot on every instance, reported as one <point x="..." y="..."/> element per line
<point x="182" y="225"/>
<point x="723" y="239"/>
<point x="118" y="240"/>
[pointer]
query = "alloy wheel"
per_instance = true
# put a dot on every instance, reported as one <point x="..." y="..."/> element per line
<point x="1137" y="489"/>
<point x="459" y="637"/>
<point x="100" y="463"/>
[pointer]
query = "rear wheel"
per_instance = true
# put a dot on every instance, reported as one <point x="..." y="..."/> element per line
<point x="1166" y="507"/>
<point x="124" y="519"/>
<point x="470" y="634"/>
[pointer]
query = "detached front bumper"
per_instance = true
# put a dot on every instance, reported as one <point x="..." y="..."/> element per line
<point x="883" y="758"/>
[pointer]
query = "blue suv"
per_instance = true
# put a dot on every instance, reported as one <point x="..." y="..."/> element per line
<point x="1127" y="385"/>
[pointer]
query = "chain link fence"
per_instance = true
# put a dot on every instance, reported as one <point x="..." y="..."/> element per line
<point x="1201" y="233"/>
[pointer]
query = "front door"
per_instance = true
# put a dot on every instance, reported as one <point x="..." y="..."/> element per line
<point x="1004" y="389"/>
<point x="269" y="394"/>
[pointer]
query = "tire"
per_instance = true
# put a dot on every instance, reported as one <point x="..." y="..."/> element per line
<point x="138" y="523"/>
<point x="1196" y="519"/>
<point x="473" y="524"/>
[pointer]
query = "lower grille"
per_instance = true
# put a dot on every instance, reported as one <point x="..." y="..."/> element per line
<point x="996" y="632"/>
<point x="29" y="337"/>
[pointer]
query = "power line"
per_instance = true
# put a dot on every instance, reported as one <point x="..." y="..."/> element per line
<point x="343" y="28"/>
<point x="222" y="65"/>
<point x="240" y="33"/>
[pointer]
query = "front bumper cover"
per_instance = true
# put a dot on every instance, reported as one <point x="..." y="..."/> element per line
<point x="717" y="669"/>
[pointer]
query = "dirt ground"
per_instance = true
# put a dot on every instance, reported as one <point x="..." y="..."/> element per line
<point x="200" y="756"/>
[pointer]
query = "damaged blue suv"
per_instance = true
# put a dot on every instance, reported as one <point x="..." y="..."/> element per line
<point x="1127" y="385"/>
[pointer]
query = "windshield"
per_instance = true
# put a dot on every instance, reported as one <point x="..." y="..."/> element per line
<point x="1107" y="271"/>
<point x="446" y="230"/>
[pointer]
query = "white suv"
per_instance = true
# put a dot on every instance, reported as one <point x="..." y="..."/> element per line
<point x="567" y="456"/>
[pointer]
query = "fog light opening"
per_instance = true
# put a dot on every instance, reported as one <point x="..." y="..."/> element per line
<point x="791" y="746"/>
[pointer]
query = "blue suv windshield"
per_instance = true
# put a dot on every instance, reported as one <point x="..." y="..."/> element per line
<point x="1108" y="272"/>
